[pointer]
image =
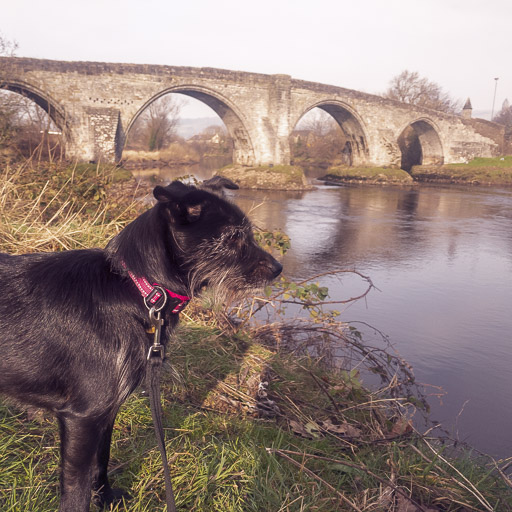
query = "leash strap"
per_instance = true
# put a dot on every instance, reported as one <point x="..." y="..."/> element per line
<point x="155" y="358"/>
<point x="155" y="298"/>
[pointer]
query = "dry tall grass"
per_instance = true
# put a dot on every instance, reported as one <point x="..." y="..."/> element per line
<point x="175" y="153"/>
<point x="53" y="209"/>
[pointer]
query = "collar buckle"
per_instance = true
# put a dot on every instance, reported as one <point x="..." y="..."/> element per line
<point x="156" y="299"/>
<point x="155" y="296"/>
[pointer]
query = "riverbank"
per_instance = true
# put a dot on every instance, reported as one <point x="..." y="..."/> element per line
<point x="480" y="171"/>
<point x="366" y="175"/>
<point x="252" y="428"/>
<point x="267" y="177"/>
<point x="252" y="422"/>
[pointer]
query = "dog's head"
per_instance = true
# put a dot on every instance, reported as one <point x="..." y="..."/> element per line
<point x="213" y="240"/>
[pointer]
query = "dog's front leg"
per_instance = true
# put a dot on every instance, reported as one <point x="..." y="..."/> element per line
<point x="80" y="439"/>
<point x="104" y="494"/>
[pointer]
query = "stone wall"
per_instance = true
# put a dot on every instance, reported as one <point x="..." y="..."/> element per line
<point x="490" y="130"/>
<point x="103" y="125"/>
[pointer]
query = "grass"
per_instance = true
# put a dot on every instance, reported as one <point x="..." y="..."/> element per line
<point x="324" y="447"/>
<point x="376" y="175"/>
<point x="479" y="171"/>
<point x="253" y="421"/>
<point x="175" y="153"/>
<point x="54" y="208"/>
<point x="501" y="162"/>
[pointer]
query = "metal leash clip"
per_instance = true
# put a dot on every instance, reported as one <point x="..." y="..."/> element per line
<point x="157" y="349"/>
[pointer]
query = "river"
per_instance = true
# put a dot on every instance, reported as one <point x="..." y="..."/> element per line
<point x="441" y="258"/>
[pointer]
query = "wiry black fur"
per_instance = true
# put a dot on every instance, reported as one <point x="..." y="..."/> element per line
<point x="73" y="325"/>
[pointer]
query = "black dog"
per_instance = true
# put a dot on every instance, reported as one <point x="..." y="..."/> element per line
<point x="73" y="325"/>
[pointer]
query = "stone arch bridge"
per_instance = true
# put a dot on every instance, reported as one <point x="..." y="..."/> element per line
<point x="95" y="104"/>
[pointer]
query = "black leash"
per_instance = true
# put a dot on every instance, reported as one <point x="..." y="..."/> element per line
<point x="155" y="298"/>
<point x="155" y="359"/>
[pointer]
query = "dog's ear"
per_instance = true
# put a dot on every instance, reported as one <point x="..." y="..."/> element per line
<point x="218" y="183"/>
<point x="183" y="202"/>
<point x="172" y="192"/>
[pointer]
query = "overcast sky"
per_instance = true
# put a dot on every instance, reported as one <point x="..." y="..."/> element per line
<point x="360" y="44"/>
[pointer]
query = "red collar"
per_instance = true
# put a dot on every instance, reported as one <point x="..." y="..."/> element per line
<point x="155" y="296"/>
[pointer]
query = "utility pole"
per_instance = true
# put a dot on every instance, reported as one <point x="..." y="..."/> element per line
<point x="494" y="98"/>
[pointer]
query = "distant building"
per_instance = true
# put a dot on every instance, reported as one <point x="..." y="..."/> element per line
<point x="467" y="110"/>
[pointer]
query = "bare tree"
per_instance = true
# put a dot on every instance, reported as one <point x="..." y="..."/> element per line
<point x="504" y="116"/>
<point x="156" y="126"/>
<point x="23" y="123"/>
<point x="7" y="48"/>
<point x="7" y="104"/>
<point x="318" y="137"/>
<point x="409" y="87"/>
<point x="319" y="122"/>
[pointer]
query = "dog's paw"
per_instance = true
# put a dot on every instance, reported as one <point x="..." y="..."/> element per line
<point x="104" y="498"/>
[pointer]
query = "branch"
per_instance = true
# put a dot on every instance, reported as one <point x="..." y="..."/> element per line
<point x="282" y="454"/>
<point x="397" y="489"/>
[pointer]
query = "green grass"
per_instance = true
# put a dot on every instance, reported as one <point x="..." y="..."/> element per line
<point x="227" y="457"/>
<point x="289" y="170"/>
<point x="484" y="171"/>
<point x="479" y="171"/>
<point x="505" y="162"/>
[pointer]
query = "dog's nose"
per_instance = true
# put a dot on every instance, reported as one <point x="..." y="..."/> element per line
<point x="277" y="268"/>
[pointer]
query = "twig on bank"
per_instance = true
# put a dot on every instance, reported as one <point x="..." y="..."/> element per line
<point x="469" y="487"/>
<point x="322" y="388"/>
<point x="343" y="498"/>
<point x="276" y="296"/>
<point x="351" y="465"/>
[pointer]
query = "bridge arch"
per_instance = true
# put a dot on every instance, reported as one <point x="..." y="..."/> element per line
<point x="420" y="144"/>
<point x="40" y="98"/>
<point x="243" y="150"/>
<point x="352" y="126"/>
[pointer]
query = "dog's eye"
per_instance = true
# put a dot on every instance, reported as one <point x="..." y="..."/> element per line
<point x="235" y="238"/>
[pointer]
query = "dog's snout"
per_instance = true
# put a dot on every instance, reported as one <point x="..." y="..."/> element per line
<point x="272" y="267"/>
<point x="277" y="268"/>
